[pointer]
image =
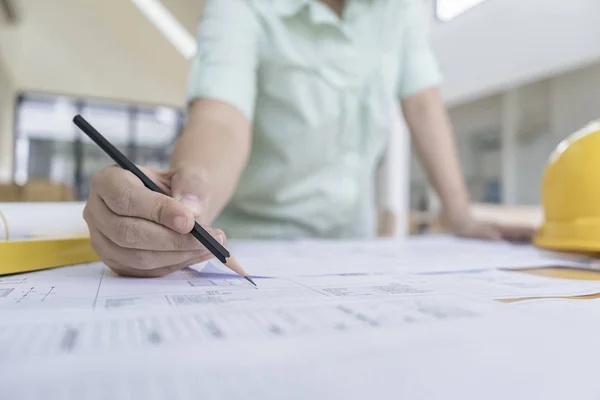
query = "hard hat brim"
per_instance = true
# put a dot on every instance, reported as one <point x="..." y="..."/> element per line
<point x="574" y="236"/>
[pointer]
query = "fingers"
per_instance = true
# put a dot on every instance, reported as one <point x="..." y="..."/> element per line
<point x="485" y="232"/>
<point x="144" y="263"/>
<point x="517" y="233"/>
<point x="137" y="273"/>
<point x="138" y="233"/>
<point x="162" y="179"/>
<point x="189" y="185"/>
<point x="124" y="194"/>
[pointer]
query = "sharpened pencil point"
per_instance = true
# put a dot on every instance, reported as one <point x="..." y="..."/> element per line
<point x="250" y="280"/>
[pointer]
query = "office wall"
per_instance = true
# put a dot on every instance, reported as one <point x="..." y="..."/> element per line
<point x="98" y="49"/>
<point x="573" y="101"/>
<point x="532" y="156"/>
<point x="503" y="43"/>
<point x="7" y="101"/>
<point x="549" y="111"/>
<point x="104" y="49"/>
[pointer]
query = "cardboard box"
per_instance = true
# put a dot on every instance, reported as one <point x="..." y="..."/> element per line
<point x="45" y="191"/>
<point x="36" y="191"/>
<point x="10" y="192"/>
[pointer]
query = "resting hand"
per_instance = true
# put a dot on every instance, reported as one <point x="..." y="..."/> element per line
<point x="473" y="228"/>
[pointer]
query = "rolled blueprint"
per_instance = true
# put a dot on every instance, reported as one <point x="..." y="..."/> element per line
<point x="19" y="221"/>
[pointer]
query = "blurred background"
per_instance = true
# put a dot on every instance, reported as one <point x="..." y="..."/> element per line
<point x="520" y="76"/>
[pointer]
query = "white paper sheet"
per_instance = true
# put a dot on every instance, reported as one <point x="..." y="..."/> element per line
<point x="38" y="220"/>
<point x="94" y="286"/>
<point x="329" y="320"/>
<point x="36" y="335"/>
<point x="500" y="284"/>
<point x="302" y="270"/>
<point x="413" y="347"/>
<point x="585" y="310"/>
<point x="428" y="254"/>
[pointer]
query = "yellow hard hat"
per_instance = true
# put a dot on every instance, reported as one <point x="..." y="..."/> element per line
<point x="571" y="194"/>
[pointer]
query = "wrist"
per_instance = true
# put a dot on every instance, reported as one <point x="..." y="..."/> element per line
<point x="455" y="204"/>
<point x="455" y="215"/>
<point x="175" y="164"/>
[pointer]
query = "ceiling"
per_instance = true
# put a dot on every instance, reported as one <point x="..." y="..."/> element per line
<point x="108" y="49"/>
<point x="105" y="49"/>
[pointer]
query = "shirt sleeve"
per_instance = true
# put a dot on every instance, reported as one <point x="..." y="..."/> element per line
<point x="225" y="65"/>
<point x="420" y="69"/>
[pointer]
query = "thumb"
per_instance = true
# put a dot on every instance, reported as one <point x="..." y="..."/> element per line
<point x="189" y="185"/>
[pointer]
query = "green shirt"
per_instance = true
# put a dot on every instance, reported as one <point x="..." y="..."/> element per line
<point x="319" y="91"/>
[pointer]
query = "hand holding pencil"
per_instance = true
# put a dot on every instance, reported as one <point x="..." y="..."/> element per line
<point x="138" y="229"/>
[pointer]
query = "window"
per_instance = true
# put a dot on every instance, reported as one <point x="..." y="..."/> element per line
<point x="50" y="147"/>
<point x="446" y="10"/>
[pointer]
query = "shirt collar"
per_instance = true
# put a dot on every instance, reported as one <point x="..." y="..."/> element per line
<point x="288" y="8"/>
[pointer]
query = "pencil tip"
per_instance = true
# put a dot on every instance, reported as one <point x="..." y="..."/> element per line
<point x="233" y="264"/>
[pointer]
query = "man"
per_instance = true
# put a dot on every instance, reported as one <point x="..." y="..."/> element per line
<point x="289" y="112"/>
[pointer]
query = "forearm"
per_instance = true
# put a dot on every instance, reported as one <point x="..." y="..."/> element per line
<point x="217" y="138"/>
<point x="434" y="142"/>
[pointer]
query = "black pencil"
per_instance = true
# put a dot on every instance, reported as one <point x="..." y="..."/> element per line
<point x="211" y="244"/>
